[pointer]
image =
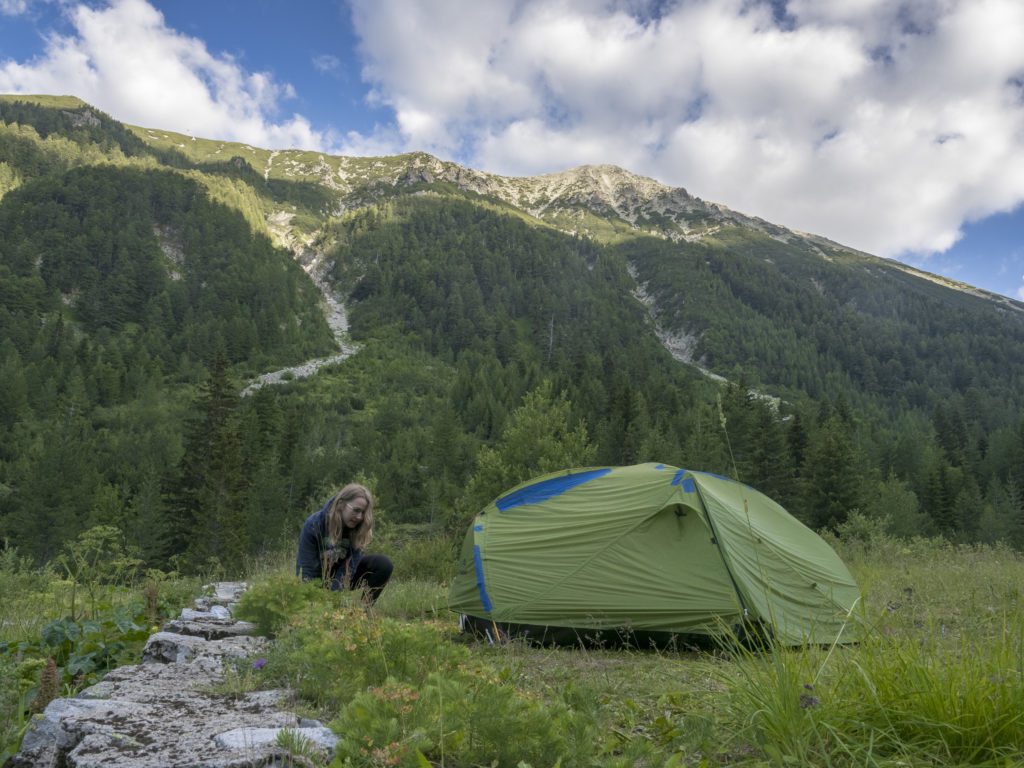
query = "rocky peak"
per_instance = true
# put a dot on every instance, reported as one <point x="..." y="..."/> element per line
<point x="562" y="198"/>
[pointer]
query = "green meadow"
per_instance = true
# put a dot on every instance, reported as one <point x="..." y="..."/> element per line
<point x="937" y="678"/>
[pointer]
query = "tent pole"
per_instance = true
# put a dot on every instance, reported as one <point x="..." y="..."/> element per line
<point x="718" y="546"/>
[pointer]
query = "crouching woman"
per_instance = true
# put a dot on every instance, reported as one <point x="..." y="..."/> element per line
<point x="333" y="542"/>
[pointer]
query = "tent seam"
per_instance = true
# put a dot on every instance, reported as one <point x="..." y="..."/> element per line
<point x="721" y="552"/>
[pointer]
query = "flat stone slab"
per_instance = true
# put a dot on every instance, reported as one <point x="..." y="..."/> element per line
<point x="214" y="613"/>
<point x="180" y="729"/>
<point x="252" y="737"/>
<point x="175" y="648"/>
<point x="210" y="628"/>
<point x="227" y="592"/>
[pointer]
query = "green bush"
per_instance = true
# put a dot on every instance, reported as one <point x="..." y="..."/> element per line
<point x="329" y="655"/>
<point x="18" y="683"/>
<point x="86" y="650"/>
<point x="271" y="602"/>
<point x="429" y="556"/>
<point x="29" y="594"/>
<point x="458" y="718"/>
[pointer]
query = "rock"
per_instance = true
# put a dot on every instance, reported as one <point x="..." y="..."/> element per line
<point x="101" y="690"/>
<point x="210" y="629"/>
<point x="169" y="727"/>
<point x="254" y="737"/>
<point x="218" y="612"/>
<point x="227" y="592"/>
<point x="176" y="648"/>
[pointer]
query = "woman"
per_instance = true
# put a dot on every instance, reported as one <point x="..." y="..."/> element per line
<point x="332" y="544"/>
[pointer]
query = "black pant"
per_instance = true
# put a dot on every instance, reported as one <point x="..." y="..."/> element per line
<point x="372" y="575"/>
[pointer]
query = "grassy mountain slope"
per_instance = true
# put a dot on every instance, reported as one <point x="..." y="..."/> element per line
<point x="802" y="326"/>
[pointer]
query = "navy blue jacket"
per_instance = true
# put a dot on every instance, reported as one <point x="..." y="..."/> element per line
<point x="314" y="551"/>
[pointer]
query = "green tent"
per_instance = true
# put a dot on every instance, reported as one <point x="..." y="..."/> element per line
<point x="652" y="549"/>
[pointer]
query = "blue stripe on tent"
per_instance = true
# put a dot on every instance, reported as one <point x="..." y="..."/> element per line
<point x="678" y="476"/>
<point x="689" y="486"/>
<point x="730" y="479"/>
<point x="721" y="477"/>
<point x="484" y="598"/>
<point x="659" y="466"/>
<point x="547" y="489"/>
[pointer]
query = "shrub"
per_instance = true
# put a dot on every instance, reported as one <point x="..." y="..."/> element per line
<point x="272" y="601"/>
<point x="328" y="655"/>
<point x="19" y="681"/>
<point x="418" y="555"/>
<point x="457" y="718"/>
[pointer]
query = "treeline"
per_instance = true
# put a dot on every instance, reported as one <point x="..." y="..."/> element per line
<point x="492" y="351"/>
<point x="149" y="253"/>
<point x="785" y="317"/>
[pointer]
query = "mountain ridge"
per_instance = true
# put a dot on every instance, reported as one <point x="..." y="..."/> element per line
<point x="629" y="204"/>
<point x="643" y="205"/>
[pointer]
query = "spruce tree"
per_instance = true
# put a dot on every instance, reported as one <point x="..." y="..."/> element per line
<point x="208" y="520"/>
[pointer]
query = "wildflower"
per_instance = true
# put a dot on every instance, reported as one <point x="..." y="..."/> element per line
<point x="49" y="686"/>
<point x="259" y="664"/>
<point x="807" y="701"/>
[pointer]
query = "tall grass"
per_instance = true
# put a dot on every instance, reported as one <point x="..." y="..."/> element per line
<point x="937" y="679"/>
<point x="888" y="701"/>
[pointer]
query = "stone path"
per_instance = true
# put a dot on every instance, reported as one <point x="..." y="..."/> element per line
<point x="163" y="713"/>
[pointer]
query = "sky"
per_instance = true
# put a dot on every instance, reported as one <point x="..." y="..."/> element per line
<point x="892" y="126"/>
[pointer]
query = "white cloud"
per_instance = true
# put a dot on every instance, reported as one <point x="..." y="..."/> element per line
<point x="327" y="63"/>
<point x="13" y="7"/>
<point x="883" y="125"/>
<point x="128" y="62"/>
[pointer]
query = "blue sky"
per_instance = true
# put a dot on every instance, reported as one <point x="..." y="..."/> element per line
<point x="892" y="126"/>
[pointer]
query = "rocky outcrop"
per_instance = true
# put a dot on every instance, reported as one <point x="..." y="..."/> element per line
<point x="314" y="262"/>
<point x="167" y="712"/>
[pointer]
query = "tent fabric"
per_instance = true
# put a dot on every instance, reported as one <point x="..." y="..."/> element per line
<point x="651" y="548"/>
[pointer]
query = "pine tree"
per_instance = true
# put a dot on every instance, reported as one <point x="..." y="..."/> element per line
<point x="834" y="486"/>
<point x="771" y="467"/>
<point x="208" y="508"/>
<point x="538" y="438"/>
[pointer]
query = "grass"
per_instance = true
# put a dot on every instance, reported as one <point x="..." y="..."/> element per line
<point x="937" y="680"/>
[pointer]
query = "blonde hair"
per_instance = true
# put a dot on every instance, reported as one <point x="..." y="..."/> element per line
<point x="360" y="535"/>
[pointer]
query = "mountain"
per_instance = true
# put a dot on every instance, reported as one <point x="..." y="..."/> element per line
<point x="602" y="201"/>
<point x="504" y="326"/>
<point x="630" y="212"/>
